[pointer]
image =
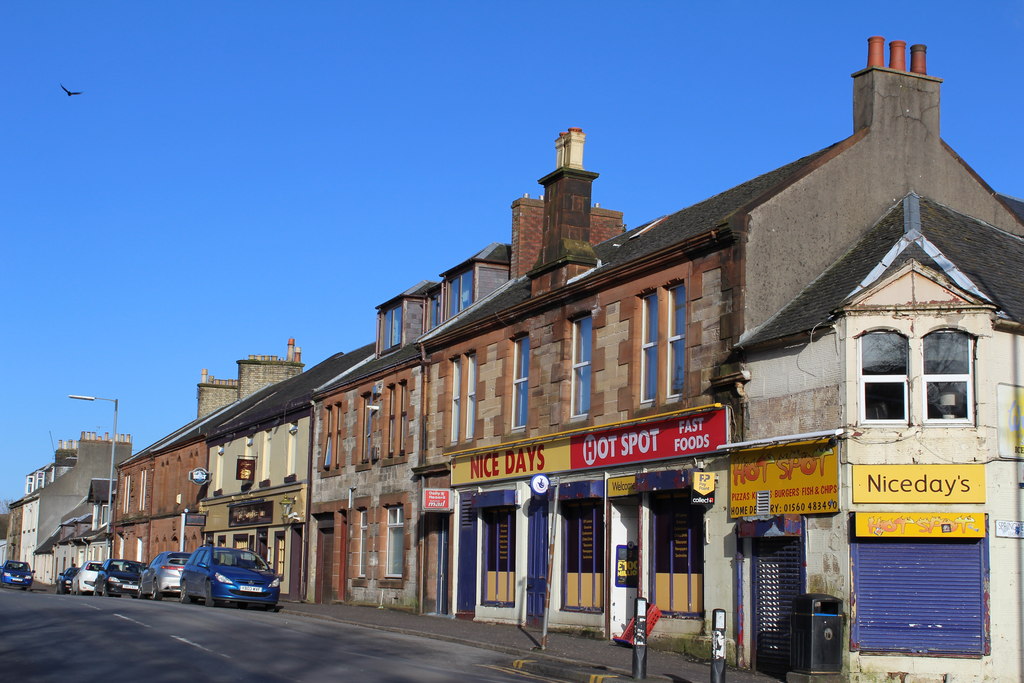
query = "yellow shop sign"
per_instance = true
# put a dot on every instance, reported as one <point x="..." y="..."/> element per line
<point x="919" y="484"/>
<point x="784" y="479"/>
<point x="920" y="524"/>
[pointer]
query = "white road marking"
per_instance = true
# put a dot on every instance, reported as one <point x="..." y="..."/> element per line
<point x="189" y="642"/>
<point x="132" y="620"/>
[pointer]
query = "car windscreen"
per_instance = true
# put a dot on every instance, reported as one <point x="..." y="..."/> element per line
<point x="18" y="566"/>
<point x="177" y="560"/>
<point x="94" y="566"/>
<point x="244" y="559"/>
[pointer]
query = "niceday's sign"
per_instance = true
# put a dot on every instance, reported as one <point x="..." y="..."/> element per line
<point x="919" y="484"/>
<point x="685" y="434"/>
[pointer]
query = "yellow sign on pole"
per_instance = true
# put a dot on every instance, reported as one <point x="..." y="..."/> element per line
<point x="703" y="482"/>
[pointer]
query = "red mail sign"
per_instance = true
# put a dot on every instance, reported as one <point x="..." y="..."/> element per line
<point x="437" y="499"/>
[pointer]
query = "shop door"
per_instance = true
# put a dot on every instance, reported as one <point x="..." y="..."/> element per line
<point x="441" y="603"/>
<point x="466" y="588"/>
<point x="624" y="577"/>
<point x="436" y="572"/>
<point x="777" y="579"/>
<point x="536" y="560"/>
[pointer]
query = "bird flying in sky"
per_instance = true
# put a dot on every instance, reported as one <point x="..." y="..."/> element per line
<point x="69" y="92"/>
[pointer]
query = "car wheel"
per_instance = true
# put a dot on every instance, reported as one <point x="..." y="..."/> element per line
<point x="101" y="590"/>
<point x="157" y="595"/>
<point x="184" y="597"/>
<point x="208" y="596"/>
<point x="273" y="608"/>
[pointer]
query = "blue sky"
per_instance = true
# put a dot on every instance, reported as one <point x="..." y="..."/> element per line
<point x="239" y="173"/>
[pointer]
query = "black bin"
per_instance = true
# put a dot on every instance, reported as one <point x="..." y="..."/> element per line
<point x="816" y="634"/>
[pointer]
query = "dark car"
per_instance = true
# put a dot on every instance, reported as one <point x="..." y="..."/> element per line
<point x="118" y="577"/>
<point x="64" y="580"/>
<point x="216" y="574"/>
<point x="162" y="575"/>
<point x="16" y="575"/>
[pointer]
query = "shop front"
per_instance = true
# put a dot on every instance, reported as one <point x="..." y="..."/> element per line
<point x="920" y="561"/>
<point x="776" y="486"/>
<point x="269" y="525"/>
<point x="576" y="525"/>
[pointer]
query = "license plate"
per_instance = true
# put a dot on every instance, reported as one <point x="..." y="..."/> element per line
<point x="250" y="589"/>
<point x="130" y="587"/>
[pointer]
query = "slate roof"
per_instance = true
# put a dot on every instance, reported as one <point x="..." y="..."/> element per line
<point x="369" y="366"/>
<point x="644" y="240"/>
<point x="980" y="258"/>
<point x="1016" y="205"/>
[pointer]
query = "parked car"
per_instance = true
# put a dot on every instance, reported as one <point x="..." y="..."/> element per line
<point x="65" y="578"/>
<point x="85" y="580"/>
<point x="162" y="575"/>
<point x="118" y="577"/>
<point x="16" y="575"/>
<point x="230" y="575"/>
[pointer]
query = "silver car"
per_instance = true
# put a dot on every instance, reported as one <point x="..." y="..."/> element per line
<point x="85" y="580"/>
<point x="163" y="575"/>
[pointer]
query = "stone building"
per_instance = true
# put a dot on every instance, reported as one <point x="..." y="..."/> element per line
<point x="597" y="400"/>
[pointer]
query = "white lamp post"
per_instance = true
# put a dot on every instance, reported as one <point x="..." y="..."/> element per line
<point x="113" y="454"/>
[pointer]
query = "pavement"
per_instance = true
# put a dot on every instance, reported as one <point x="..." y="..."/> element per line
<point x="566" y="657"/>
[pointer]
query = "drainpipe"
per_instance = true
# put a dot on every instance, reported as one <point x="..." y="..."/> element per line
<point x="304" y="573"/>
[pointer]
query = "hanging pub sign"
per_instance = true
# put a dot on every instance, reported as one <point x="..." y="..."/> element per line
<point x="249" y="514"/>
<point x="245" y="469"/>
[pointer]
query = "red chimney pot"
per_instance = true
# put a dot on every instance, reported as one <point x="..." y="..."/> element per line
<point x="575" y="130"/>
<point x="898" y="55"/>
<point x="876" y="51"/>
<point x="917" y="59"/>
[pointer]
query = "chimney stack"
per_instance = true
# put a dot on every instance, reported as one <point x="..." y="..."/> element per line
<point x="894" y="98"/>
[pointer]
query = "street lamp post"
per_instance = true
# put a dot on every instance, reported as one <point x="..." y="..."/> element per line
<point x="113" y="454"/>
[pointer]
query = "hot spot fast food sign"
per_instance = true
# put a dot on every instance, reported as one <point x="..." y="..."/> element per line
<point x="680" y="435"/>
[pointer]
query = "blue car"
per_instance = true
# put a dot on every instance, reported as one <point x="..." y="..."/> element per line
<point x="16" y="575"/>
<point x="229" y="575"/>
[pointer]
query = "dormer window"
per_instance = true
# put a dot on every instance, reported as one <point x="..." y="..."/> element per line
<point x="460" y="292"/>
<point x="392" y="333"/>
<point x="435" y="310"/>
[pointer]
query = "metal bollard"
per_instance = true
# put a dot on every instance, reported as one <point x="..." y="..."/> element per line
<point x="640" y="640"/>
<point x="718" y="646"/>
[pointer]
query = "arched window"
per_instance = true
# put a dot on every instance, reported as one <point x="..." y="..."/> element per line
<point x="948" y="393"/>
<point x="883" y="377"/>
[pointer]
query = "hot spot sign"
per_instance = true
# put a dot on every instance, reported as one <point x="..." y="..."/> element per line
<point x="685" y="434"/>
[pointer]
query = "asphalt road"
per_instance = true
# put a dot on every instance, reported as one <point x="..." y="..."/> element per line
<point x="47" y="637"/>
